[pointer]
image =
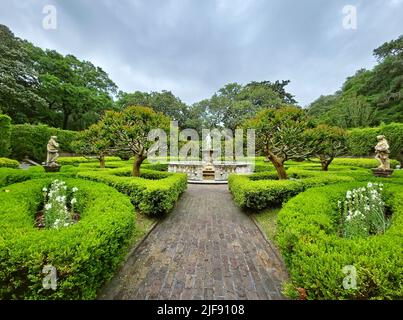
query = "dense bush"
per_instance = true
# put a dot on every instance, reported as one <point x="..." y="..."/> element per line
<point x="154" y="193"/>
<point x="362" y="141"/>
<point x="31" y="140"/>
<point x="5" y="135"/>
<point x="75" y="161"/>
<point x="260" y="190"/>
<point x="316" y="255"/>
<point x="84" y="255"/>
<point x="10" y="176"/>
<point x="8" y="163"/>
<point x="361" y="162"/>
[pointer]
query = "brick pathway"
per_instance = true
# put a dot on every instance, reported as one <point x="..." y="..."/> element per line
<point x="207" y="248"/>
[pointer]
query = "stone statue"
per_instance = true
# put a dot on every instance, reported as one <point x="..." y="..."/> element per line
<point x="208" y="142"/>
<point x="382" y="153"/>
<point x="53" y="152"/>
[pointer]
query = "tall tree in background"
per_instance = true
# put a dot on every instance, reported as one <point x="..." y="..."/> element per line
<point x="370" y="96"/>
<point x="18" y="80"/>
<point x="163" y="101"/>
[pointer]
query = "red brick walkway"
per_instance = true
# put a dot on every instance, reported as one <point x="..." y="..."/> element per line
<point x="207" y="248"/>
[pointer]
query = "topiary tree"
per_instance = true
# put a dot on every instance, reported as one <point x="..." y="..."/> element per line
<point x="280" y="135"/>
<point x="128" y="132"/>
<point x="94" y="141"/>
<point x="5" y="135"/>
<point x="326" y="143"/>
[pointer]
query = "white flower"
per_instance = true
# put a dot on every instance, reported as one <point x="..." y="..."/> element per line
<point x="66" y="224"/>
<point x="348" y="194"/>
<point x="48" y="206"/>
<point x="45" y="189"/>
<point x="73" y="201"/>
<point x="370" y="185"/>
<point x="74" y="189"/>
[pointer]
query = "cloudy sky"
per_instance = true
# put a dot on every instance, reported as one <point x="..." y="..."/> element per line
<point x="194" y="47"/>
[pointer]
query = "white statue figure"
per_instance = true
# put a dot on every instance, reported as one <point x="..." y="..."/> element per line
<point x="382" y="153"/>
<point x="208" y="142"/>
<point x="53" y="152"/>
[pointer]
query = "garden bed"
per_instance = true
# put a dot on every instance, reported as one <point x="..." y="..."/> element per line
<point x="84" y="254"/>
<point x="315" y="254"/>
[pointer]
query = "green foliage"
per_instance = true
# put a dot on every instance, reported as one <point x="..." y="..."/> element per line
<point x="154" y="193"/>
<point x="259" y="191"/>
<point x="31" y="141"/>
<point x="368" y="97"/>
<point x="85" y="255"/>
<point x="76" y="161"/>
<point x="5" y="135"/>
<point x="8" y="163"/>
<point x="361" y="162"/>
<point x="18" y="78"/>
<point x="280" y="135"/>
<point x="315" y="255"/>
<point x="128" y="131"/>
<point x="327" y="142"/>
<point x="164" y="102"/>
<point x="362" y="141"/>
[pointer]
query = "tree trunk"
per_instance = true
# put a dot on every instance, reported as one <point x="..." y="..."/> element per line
<point x="102" y="162"/>
<point x="325" y="164"/>
<point x="279" y="165"/>
<point x="65" y="120"/>
<point x="138" y="160"/>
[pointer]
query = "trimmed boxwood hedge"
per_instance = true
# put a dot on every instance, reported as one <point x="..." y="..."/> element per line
<point x="315" y="254"/>
<point x="260" y="190"/>
<point x="85" y="254"/>
<point x="8" y="163"/>
<point x="154" y="193"/>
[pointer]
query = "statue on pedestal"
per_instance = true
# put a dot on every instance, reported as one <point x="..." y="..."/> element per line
<point x="382" y="155"/>
<point x="52" y="156"/>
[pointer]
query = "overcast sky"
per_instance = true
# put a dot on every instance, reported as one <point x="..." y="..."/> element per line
<point x="194" y="47"/>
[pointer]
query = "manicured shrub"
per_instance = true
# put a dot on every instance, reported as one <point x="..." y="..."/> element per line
<point x="257" y="192"/>
<point x="5" y="135"/>
<point x="75" y="161"/>
<point x="315" y="254"/>
<point x="154" y="193"/>
<point x="84" y="254"/>
<point x="31" y="140"/>
<point x="361" y="162"/>
<point x="8" y="163"/>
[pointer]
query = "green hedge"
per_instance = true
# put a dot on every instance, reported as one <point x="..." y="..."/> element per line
<point x="76" y="161"/>
<point x="362" y="141"/>
<point x="5" y="135"/>
<point x="10" y="176"/>
<point x="84" y="255"/>
<point x="315" y="255"/>
<point x="361" y="162"/>
<point x="260" y="191"/>
<point x="31" y="140"/>
<point x="155" y="193"/>
<point x="8" y="163"/>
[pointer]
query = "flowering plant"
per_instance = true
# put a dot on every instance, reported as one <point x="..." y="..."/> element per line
<point x="59" y="205"/>
<point x="362" y="213"/>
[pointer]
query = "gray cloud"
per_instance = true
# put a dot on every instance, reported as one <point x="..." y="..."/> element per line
<point x="194" y="47"/>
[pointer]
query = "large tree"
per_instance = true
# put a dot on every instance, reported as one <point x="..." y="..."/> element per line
<point x="326" y="143"/>
<point x="18" y="80"/>
<point x="128" y="131"/>
<point x="280" y="135"/>
<point x="163" y="101"/>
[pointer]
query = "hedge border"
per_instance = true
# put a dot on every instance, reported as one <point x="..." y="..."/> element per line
<point x="315" y="255"/>
<point x="85" y="254"/>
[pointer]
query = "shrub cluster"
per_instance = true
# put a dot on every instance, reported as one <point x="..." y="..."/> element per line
<point x="260" y="190"/>
<point x="315" y="254"/>
<point x="31" y="140"/>
<point x="84" y="254"/>
<point x="154" y="193"/>
<point x="5" y="135"/>
<point x="8" y="163"/>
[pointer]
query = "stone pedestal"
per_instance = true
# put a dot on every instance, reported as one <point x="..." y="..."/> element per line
<point x="52" y="168"/>
<point x="382" y="173"/>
